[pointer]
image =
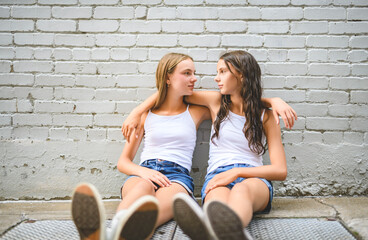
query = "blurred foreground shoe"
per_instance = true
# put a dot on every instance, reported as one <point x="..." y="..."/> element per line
<point x="137" y="222"/>
<point x="225" y="222"/>
<point x="88" y="212"/>
<point x="190" y="217"/>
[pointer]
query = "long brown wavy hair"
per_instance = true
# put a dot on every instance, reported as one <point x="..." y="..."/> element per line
<point x="251" y="93"/>
<point x="165" y="67"/>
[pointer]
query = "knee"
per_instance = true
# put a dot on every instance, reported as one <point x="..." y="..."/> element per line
<point x="241" y="188"/>
<point x="248" y="188"/>
<point x="146" y="184"/>
<point x="141" y="185"/>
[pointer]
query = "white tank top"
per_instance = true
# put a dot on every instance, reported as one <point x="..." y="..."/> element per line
<point x="231" y="145"/>
<point x="170" y="138"/>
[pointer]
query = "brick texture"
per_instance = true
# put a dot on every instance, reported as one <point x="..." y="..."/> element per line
<point x="71" y="71"/>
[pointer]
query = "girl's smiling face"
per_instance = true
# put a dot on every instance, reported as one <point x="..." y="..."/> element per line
<point x="183" y="78"/>
<point x="228" y="81"/>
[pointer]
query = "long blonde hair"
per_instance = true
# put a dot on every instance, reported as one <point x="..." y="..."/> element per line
<point x="165" y="67"/>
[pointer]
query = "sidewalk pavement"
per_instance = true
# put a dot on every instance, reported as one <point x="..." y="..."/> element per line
<point x="351" y="211"/>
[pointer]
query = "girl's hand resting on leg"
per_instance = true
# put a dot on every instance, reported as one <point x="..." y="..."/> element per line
<point x="154" y="177"/>
<point x="222" y="179"/>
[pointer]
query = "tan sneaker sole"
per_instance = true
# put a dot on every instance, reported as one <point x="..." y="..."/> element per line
<point x="88" y="212"/>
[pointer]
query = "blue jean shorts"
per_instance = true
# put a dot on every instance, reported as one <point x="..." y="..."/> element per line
<point x="221" y="169"/>
<point x="173" y="171"/>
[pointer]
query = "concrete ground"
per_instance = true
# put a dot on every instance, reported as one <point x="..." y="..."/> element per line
<point x="351" y="211"/>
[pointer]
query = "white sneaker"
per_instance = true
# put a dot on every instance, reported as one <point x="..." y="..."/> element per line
<point x="225" y="222"/>
<point x="138" y="221"/>
<point x="88" y="212"/>
<point x="190" y="217"/>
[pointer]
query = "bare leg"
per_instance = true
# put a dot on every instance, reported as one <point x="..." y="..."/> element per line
<point x="165" y="196"/>
<point x="220" y="194"/>
<point x="133" y="189"/>
<point x="247" y="197"/>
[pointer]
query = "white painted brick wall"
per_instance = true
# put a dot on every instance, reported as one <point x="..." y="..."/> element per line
<point x="71" y="71"/>
<point x="72" y="120"/>
<point x="114" y="13"/>
<point x="74" y="40"/>
<point x="183" y="26"/>
<point x="56" y="25"/>
<point x="317" y="13"/>
<point x="282" y="13"/>
<point x="358" y="56"/>
<point x="98" y="25"/>
<point x="30" y="12"/>
<point x="72" y="12"/>
<point x="4" y="12"/>
<point x="136" y="26"/>
<point x="37" y="39"/>
<point x="42" y="53"/>
<point x="114" y="40"/>
<point x="6" y="39"/>
<point x="268" y="27"/>
<point x="161" y="13"/>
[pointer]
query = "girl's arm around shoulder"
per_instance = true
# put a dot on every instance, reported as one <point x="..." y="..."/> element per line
<point x="199" y="114"/>
<point x="125" y="163"/>
<point x="209" y="99"/>
<point x="132" y="122"/>
<point x="204" y="98"/>
<point x="275" y="147"/>
<point x="279" y="107"/>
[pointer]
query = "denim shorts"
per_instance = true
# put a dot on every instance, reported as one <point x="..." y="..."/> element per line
<point x="221" y="169"/>
<point x="173" y="171"/>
